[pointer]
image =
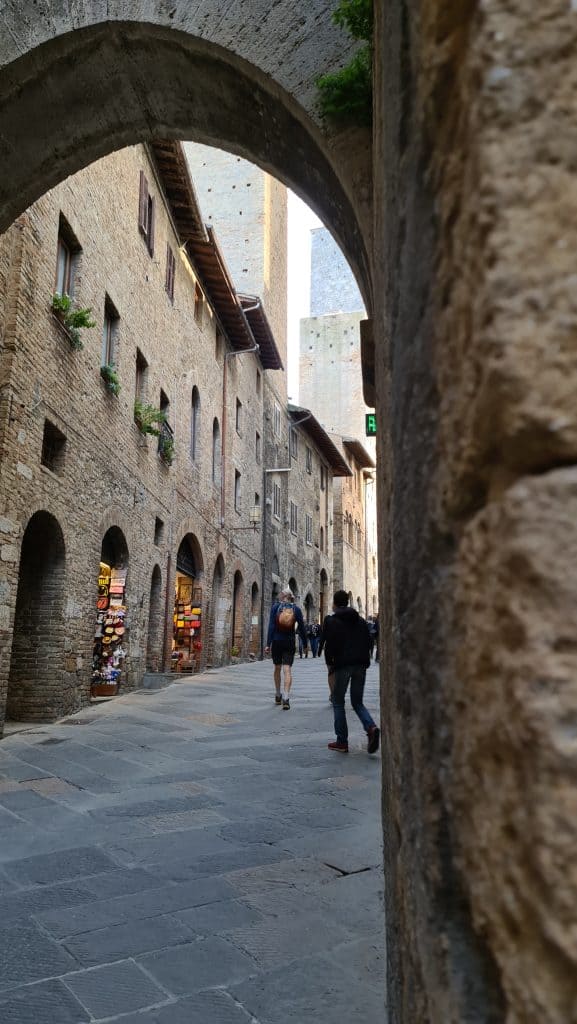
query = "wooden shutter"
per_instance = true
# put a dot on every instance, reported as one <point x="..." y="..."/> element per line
<point x="143" y="204"/>
<point x="151" y="217"/>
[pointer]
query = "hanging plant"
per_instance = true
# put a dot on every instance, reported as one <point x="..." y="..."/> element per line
<point x="72" y="320"/>
<point x="110" y="378"/>
<point x="166" y="449"/>
<point x="148" y="418"/>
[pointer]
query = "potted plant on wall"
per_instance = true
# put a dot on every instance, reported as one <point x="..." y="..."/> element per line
<point x="71" y="320"/>
<point x="166" y="448"/>
<point x="110" y="378"/>
<point x="148" y="418"/>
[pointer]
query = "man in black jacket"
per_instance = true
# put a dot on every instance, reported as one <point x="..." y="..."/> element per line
<point x="347" y="644"/>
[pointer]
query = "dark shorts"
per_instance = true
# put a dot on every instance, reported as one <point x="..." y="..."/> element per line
<point x="283" y="651"/>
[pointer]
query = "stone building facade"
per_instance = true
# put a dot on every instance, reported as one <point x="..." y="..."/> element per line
<point x="156" y="531"/>
<point x="350" y="546"/>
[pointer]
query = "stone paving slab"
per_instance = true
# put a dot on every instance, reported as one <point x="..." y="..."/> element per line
<point x="162" y="863"/>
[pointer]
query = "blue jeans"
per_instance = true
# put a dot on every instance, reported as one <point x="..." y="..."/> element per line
<point x="356" y="675"/>
<point x="314" y="642"/>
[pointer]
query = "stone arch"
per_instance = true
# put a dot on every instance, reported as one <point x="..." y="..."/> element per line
<point x="308" y="607"/>
<point x="237" y="632"/>
<point x="154" y="642"/>
<point x="323" y="594"/>
<point x="39" y="687"/>
<point x="218" y="615"/>
<point x="187" y="631"/>
<point x="293" y="585"/>
<point x="187" y="73"/>
<point x="255" y="619"/>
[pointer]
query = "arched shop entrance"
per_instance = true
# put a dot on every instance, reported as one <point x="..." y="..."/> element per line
<point x="109" y="652"/>
<point x="254" y="621"/>
<point x="37" y="685"/>
<point x="309" y="608"/>
<point x="154" y="642"/>
<point x="324" y="584"/>
<point x="218" y="615"/>
<point x="237" y="616"/>
<point x="187" y="619"/>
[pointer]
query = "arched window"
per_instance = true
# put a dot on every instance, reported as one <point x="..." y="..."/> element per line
<point x="195" y="424"/>
<point x="216" y="451"/>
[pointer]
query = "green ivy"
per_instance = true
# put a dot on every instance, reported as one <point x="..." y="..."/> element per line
<point x="110" y="378"/>
<point x="346" y="96"/>
<point x="167" y="450"/>
<point x="73" y="320"/>
<point x="147" y="418"/>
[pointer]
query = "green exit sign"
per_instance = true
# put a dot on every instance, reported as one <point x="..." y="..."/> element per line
<point x="370" y="424"/>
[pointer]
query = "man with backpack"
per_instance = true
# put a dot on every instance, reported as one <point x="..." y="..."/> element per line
<point x="347" y="643"/>
<point x="284" y="616"/>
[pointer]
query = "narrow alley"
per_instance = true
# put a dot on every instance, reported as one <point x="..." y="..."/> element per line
<point x="193" y="855"/>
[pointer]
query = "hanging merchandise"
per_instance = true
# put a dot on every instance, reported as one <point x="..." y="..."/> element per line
<point x="109" y="653"/>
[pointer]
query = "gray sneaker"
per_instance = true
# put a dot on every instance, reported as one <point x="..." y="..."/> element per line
<point x="286" y="704"/>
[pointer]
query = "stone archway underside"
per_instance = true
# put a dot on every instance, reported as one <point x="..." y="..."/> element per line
<point x="224" y="74"/>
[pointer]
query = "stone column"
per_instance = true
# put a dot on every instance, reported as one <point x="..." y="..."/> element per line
<point x="476" y="328"/>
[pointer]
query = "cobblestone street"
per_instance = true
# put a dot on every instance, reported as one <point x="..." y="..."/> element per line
<point x="194" y="855"/>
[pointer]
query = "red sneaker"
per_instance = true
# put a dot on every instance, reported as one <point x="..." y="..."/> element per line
<point x="343" y="748"/>
<point x="373" y="736"/>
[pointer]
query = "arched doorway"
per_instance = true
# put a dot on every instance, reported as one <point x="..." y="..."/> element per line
<point x="109" y="656"/>
<point x="254" y="620"/>
<point x="155" y="630"/>
<point x="218" y="615"/>
<point x="38" y="688"/>
<point x="309" y="605"/>
<point x="237" y="647"/>
<point x="324" y="583"/>
<point x="187" y="619"/>
<point x="293" y="586"/>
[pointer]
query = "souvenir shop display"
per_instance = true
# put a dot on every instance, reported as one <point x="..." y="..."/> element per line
<point x="187" y="625"/>
<point x="109" y="651"/>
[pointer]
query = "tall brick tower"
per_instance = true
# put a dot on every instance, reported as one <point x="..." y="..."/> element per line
<point x="248" y="210"/>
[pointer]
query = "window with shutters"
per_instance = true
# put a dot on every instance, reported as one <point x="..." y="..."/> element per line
<point x="323" y="477"/>
<point x="237" y="495"/>
<point x="294" y="512"/>
<point x="309" y="529"/>
<point x="276" y="420"/>
<point x="146" y="213"/>
<point x="170" y="273"/>
<point x="198" y="303"/>
<point x="141" y="377"/>
<point x="109" y="333"/>
<point x="294" y="444"/>
<point x="67" y="253"/>
<point x="276" y="500"/>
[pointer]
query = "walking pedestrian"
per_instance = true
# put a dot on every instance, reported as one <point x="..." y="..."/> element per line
<point x="284" y="617"/>
<point x="314" y="632"/>
<point x="347" y="650"/>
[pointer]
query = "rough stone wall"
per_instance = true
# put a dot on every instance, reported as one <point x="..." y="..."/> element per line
<point x="349" y="555"/>
<point x="111" y="474"/>
<point x="475" y="225"/>
<point x="330" y="380"/>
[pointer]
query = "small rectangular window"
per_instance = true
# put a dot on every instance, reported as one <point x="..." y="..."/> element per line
<point x="53" y="447"/>
<point x="218" y="345"/>
<point x="258" y="447"/>
<point x="170" y="273"/>
<point x="258" y="382"/>
<point x="109" y="334"/>
<point x="238" y="421"/>
<point x="309" y="460"/>
<point x="276" y="420"/>
<point x="276" y="500"/>
<point x="237" y="490"/>
<point x="141" y="377"/>
<point x="294" y="443"/>
<point x="146" y="213"/>
<point x="309" y="529"/>
<point x="158" y="531"/>
<point x="198" y="303"/>
<point x="67" y="252"/>
<point x="294" y="518"/>
<point x="323" y="477"/>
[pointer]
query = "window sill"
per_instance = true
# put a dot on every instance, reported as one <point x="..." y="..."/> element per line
<point x="50" y="473"/>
